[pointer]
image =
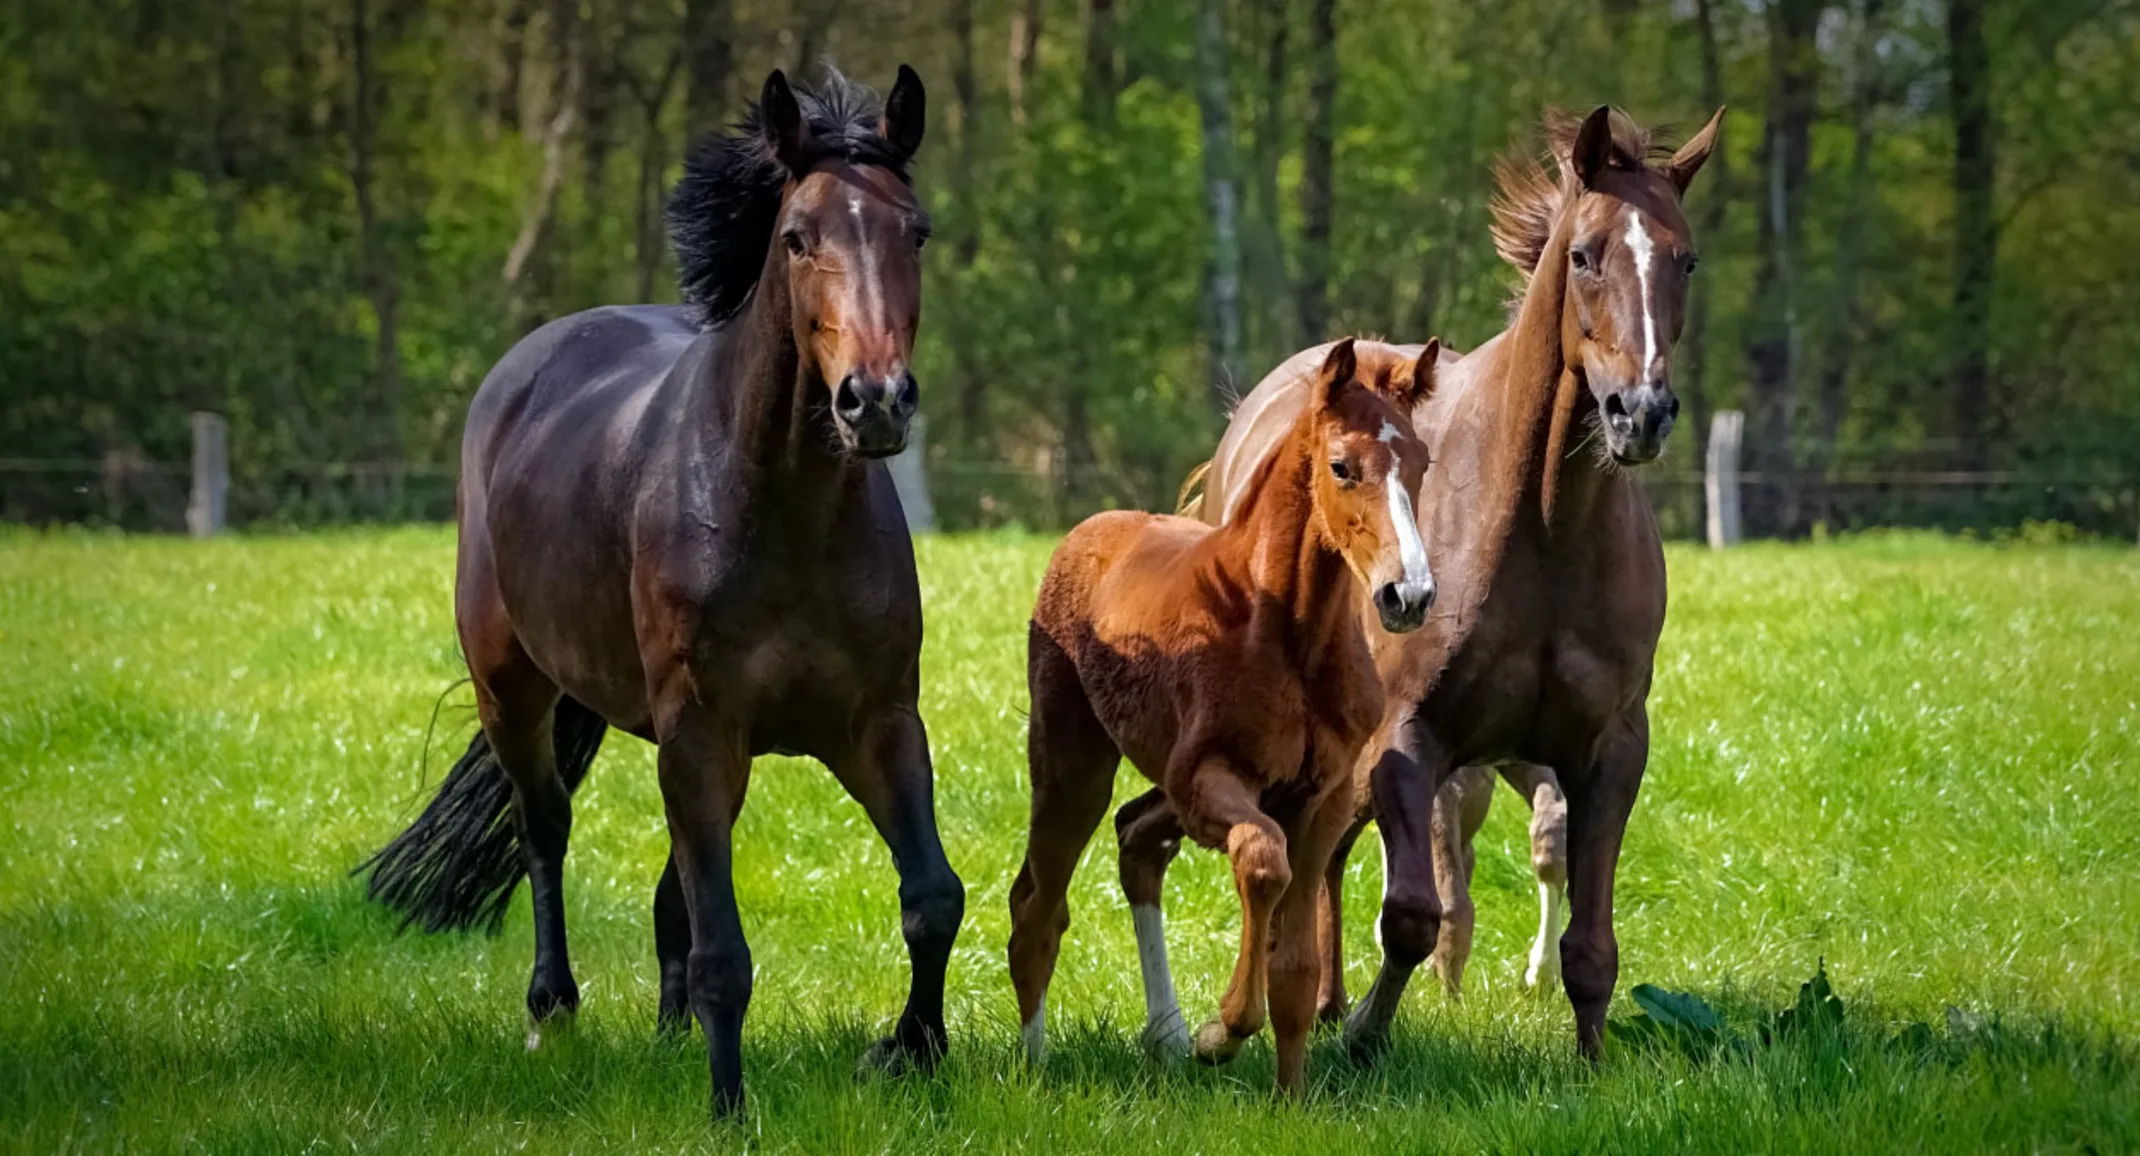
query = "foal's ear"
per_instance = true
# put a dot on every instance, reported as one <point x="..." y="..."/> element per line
<point x="1420" y="384"/>
<point x="780" y="118"/>
<point x="1593" y="146"/>
<point x="903" y="113"/>
<point x="1337" y="372"/>
<point x="1688" y="160"/>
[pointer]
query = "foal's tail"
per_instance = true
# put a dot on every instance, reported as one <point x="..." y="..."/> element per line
<point x="458" y="863"/>
<point x="1189" y="500"/>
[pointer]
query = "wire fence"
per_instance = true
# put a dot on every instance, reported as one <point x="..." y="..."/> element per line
<point x="129" y="492"/>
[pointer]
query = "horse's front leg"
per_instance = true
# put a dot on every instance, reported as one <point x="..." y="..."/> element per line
<point x="1295" y="962"/>
<point x="1404" y="785"/>
<point x="705" y="768"/>
<point x="1221" y="811"/>
<point x="889" y="773"/>
<point x="1599" y="802"/>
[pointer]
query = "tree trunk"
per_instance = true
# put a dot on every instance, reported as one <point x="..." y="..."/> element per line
<point x="1976" y="230"/>
<point x="1715" y="197"/>
<point x="709" y="41"/>
<point x="1101" y="74"/>
<point x="1221" y="194"/>
<point x="529" y="266"/>
<point x="1025" y="53"/>
<point x="512" y="49"/>
<point x="1772" y="328"/>
<point x="375" y="267"/>
<point x="965" y="230"/>
<point x="1317" y="158"/>
<point x="1266" y="238"/>
<point x="648" y="235"/>
<point x="1843" y="322"/>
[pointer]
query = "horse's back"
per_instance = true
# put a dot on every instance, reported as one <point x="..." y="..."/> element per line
<point x="579" y="376"/>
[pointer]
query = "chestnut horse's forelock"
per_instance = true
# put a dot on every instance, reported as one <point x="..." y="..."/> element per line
<point x="1528" y="198"/>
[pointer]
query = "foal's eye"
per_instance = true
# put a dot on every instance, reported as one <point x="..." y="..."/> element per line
<point x="1692" y="261"/>
<point x="793" y="240"/>
<point x="1580" y="260"/>
<point x="1340" y="470"/>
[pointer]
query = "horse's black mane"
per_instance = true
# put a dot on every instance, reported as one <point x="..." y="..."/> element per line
<point x="722" y="212"/>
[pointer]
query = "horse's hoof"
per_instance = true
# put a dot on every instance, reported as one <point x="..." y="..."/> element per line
<point x="1540" y="981"/>
<point x="1364" y="1043"/>
<point x="556" y="1025"/>
<point x="672" y="1022"/>
<point x="890" y="1059"/>
<point x="1215" y="1045"/>
<point x="1165" y="1039"/>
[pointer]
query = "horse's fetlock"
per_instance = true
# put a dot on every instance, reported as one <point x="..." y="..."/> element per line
<point x="1409" y="929"/>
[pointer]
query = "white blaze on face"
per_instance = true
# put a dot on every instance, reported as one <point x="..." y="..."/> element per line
<point x="1389" y="433"/>
<point x="1645" y="253"/>
<point x="1410" y="548"/>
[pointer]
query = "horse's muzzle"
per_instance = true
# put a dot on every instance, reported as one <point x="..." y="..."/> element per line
<point x="873" y="414"/>
<point x="1638" y="420"/>
<point x="1403" y="606"/>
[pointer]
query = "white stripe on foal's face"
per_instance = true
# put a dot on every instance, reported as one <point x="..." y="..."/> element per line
<point x="1645" y="254"/>
<point x="1410" y="548"/>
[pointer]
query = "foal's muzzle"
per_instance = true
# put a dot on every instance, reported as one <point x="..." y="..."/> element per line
<point x="873" y="413"/>
<point x="1403" y="605"/>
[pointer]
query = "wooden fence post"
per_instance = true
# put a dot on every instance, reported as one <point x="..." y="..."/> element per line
<point x="1720" y="480"/>
<point x="912" y="481"/>
<point x="205" y="509"/>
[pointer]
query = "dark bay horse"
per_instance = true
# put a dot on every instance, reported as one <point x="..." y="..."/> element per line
<point x="671" y="523"/>
<point x="1230" y="666"/>
<point x="1553" y="582"/>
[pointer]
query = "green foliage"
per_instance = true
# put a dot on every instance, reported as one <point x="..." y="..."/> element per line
<point x="1901" y="752"/>
<point x="180" y="228"/>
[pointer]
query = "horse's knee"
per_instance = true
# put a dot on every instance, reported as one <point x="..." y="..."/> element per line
<point x="930" y="914"/>
<point x="1409" y="925"/>
<point x="719" y="979"/>
<point x="1260" y="867"/>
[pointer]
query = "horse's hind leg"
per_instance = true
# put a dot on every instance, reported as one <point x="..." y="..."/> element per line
<point x="1223" y="812"/>
<point x="672" y="948"/>
<point x="1072" y="761"/>
<point x="1149" y="834"/>
<point x="889" y="773"/>
<point x="1330" y="1001"/>
<point x="1460" y="809"/>
<point x="515" y="702"/>
<point x="1549" y="862"/>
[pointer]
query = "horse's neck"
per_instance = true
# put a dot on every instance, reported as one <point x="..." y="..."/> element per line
<point x="1289" y="565"/>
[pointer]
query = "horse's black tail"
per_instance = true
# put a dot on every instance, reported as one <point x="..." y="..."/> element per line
<point x="458" y="863"/>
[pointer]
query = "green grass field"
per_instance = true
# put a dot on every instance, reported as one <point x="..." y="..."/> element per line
<point x="1910" y="756"/>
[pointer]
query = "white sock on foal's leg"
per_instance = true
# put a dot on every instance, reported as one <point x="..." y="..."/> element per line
<point x="1035" y="1034"/>
<point x="1545" y="953"/>
<point x="1165" y="1034"/>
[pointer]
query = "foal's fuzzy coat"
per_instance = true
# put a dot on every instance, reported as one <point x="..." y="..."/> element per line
<point x="1229" y="664"/>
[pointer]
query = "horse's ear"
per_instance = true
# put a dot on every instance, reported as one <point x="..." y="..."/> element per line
<point x="1593" y="146"/>
<point x="1688" y="160"/>
<point x="780" y="118"/>
<point x="1338" y="371"/>
<point x="1425" y="372"/>
<point x="903" y="113"/>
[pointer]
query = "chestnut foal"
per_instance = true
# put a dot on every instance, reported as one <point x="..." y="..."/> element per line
<point x="1230" y="665"/>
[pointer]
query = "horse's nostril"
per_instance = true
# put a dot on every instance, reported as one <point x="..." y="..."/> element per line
<point x="1673" y="409"/>
<point x="1614" y="406"/>
<point x="907" y="398"/>
<point x="846" y="400"/>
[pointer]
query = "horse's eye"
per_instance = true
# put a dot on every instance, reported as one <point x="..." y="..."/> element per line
<point x="921" y="241"/>
<point x="1580" y="260"/>
<point x="1692" y="261"/>
<point x="1341" y="470"/>
<point x="793" y="239"/>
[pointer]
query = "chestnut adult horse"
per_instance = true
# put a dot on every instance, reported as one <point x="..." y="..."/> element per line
<point x="1552" y="575"/>
<point x="671" y="523"/>
<point x="1230" y="666"/>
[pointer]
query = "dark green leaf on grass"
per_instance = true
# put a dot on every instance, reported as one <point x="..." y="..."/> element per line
<point x="1818" y="1008"/>
<point x="1673" y="1020"/>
